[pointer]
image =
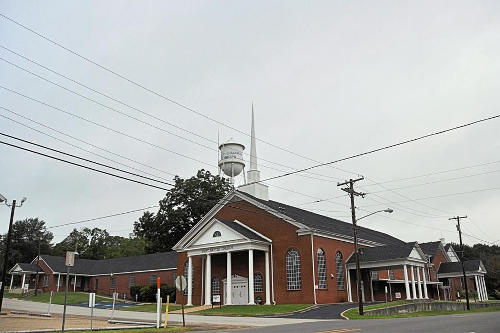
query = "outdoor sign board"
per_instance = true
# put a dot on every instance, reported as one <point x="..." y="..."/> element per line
<point x="70" y="259"/>
<point x="215" y="298"/>
<point x="180" y="283"/>
<point x="91" y="300"/>
<point x="398" y="295"/>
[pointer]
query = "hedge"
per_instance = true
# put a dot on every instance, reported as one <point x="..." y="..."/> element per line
<point x="148" y="293"/>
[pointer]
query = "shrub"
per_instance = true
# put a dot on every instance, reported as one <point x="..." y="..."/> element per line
<point x="148" y="293"/>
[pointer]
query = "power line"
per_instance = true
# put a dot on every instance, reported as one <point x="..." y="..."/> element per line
<point x="386" y="147"/>
<point x="84" y="159"/>
<point x="131" y="107"/>
<point x="82" y="166"/>
<point x="135" y="83"/>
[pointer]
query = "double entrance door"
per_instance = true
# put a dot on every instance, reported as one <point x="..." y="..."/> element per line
<point x="239" y="290"/>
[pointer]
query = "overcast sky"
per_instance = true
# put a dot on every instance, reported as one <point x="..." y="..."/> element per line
<point x="328" y="79"/>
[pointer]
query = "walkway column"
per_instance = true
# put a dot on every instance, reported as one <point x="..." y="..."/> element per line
<point x="251" y="299"/>
<point x="349" y="294"/>
<point x="407" y="286"/>
<point x="413" y="289"/>
<point x="208" y="280"/>
<point x="485" y="291"/>
<point x="190" y="281"/>
<point x="24" y="280"/>
<point x="268" y="282"/>
<point x="11" y="281"/>
<point x="74" y="285"/>
<point x="58" y="281"/>
<point x="418" y="281"/>
<point x="426" y="296"/>
<point x="478" y="289"/>
<point x="229" y="284"/>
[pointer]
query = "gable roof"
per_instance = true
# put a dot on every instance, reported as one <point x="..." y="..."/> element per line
<point x="147" y="262"/>
<point x="327" y="224"/>
<point x="243" y="230"/>
<point x="26" y="267"/>
<point x="456" y="267"/>
<point x="430" y="248"/>
<point x="382" y="253"/>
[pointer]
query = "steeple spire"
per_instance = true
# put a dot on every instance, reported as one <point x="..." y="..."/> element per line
<point x="253" y="187"/>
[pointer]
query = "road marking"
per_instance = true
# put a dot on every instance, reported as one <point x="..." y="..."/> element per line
<point x="342" y="330"/>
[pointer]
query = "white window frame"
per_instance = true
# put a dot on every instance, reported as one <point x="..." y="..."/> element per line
<point x="293" y="270"/>
<point x="321" y="260"/>
<point x="339" y="270"/>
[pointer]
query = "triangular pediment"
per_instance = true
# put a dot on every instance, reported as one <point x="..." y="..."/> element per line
<point x="216" y="232"/>
<point x="416" y="253"/>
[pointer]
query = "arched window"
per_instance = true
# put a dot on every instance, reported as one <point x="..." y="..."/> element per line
<point x="186" y="266"/>
<point x="216" y="234"/>
<point x="257" y="283"/>
<point x="215" y="286"/>
<point x="321" y="269"/>
<point x="293" y="276"/>
<point x="339" y="268"/>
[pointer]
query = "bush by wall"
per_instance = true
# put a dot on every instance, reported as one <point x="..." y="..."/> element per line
<point x="148" y="293"/>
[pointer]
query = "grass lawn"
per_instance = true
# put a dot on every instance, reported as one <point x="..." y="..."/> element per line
<point x="253" y="310"/>
<point x="143" y="330"/>
<point x="151" y="307"/>
<point x="58" y="297"/>
<point x="353" y="313"/>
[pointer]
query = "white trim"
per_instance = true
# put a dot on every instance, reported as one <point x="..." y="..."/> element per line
<point x="118" y="273"/>
<point x="389" y="263"/>
<point x="342" y="238"/>
<point x="44" y="262"/>
<point x="459" y="274"/>
<point x="252" y="230"/>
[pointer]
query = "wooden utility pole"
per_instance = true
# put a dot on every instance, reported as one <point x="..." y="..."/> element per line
<point x="457" y="218"/>
<point x="7" y="251"/>
<point x="352" y="194"/>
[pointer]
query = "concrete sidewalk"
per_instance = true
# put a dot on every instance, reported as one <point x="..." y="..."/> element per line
<point x="19" y="305"/>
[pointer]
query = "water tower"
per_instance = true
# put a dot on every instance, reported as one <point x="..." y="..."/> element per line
<point x="231" y="161"/>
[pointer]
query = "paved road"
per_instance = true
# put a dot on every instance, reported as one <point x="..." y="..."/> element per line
<point x="37" y="307"/>
<point x="327" y="311"/>
<point x="486" y="322"/>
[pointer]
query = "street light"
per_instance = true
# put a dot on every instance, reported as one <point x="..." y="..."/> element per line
<point x="387" y="210"/>
<point x="7" y="246"/>
<point x="356" y="252"/>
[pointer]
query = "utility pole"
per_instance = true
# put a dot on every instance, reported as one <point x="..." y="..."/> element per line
<point x="37" y="264"/>
<point x="457" y="218"/>
<point x="352" y="194"/>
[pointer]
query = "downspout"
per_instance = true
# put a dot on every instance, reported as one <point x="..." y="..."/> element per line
<point x="313" y="275"/>
<point x="272" y="276"/>
<point x="202" y="279"/>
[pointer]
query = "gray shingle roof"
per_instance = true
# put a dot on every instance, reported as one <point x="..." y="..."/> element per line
<point x="155" y="261"/>
<point x="327" y="224"/>
<point x="242" y="230"/>
<point x="456" y="267"/>
<point x="387" y="252"/>
<point x="430" y="248"/>
<point x="27" y="267"/>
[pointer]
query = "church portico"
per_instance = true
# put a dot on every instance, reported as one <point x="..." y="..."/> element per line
<point x="234" y="258"/>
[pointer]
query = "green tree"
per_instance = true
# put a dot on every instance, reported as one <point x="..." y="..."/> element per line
<point x="183" y="206"/>
<point x="27" y="234"/>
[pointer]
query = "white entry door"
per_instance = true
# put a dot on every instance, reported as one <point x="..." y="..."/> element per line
<point x="239" y="292"/>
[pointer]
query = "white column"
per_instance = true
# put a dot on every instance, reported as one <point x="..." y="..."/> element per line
<point x="439" y="296"/>
<point x="349" y="294"/>
<point x="407" y="286"/>
<point x="251" y="299"/>
<point x="478" y="289"/>
<point x="419" y="283"/>
<point x="268" y="282"/>
<point x="371" y="287"/>
<point x="58" y="281"/>
<point x="22" y="284"/>
<point x="229" y="285"/>
<point x="208" y="280"/>
<point x="362" y="291"/>
<point x="190" y="282"/>
<point x="74" y="284"/>
<point x="11" y="281"/>
<point x="485" y="291"/>
<point x="426" y="296"/>
<point x="413" y="287"/>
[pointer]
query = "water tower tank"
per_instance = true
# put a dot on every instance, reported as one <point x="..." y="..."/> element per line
<point x="231" y="158"/>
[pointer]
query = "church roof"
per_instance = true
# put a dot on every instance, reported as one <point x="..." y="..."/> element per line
<point x="456" y="267"/>
<point x="430" y="248"/>
<point x="327" y="224"/>
<point x="148" y="262"/>
<point x="243" y="230"/>
<point x="387" y="252"/>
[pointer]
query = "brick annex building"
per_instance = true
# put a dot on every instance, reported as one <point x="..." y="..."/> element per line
<point x="249" y="249"/>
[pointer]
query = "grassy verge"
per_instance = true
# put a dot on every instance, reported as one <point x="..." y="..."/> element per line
<point x="58" y="297"/>
<point x="253" y="310"/>
<point x="173" y="329"/>
<point x="353" y="313"/>
<point x="151" y="307"/>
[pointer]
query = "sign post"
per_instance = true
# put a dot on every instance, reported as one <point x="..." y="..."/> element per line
<point x="70" y="262"/>
<point x="91" y="306"/>
<point x="181" y="284"/>
<point x="166" y="311"/>
<point x="386" y="300"/>
<point x="158" y="303"/>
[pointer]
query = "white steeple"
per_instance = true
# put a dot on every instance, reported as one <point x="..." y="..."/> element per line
<point x="252" y="186"/>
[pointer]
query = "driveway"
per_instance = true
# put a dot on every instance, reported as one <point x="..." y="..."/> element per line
<point x="327" y="311"/>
